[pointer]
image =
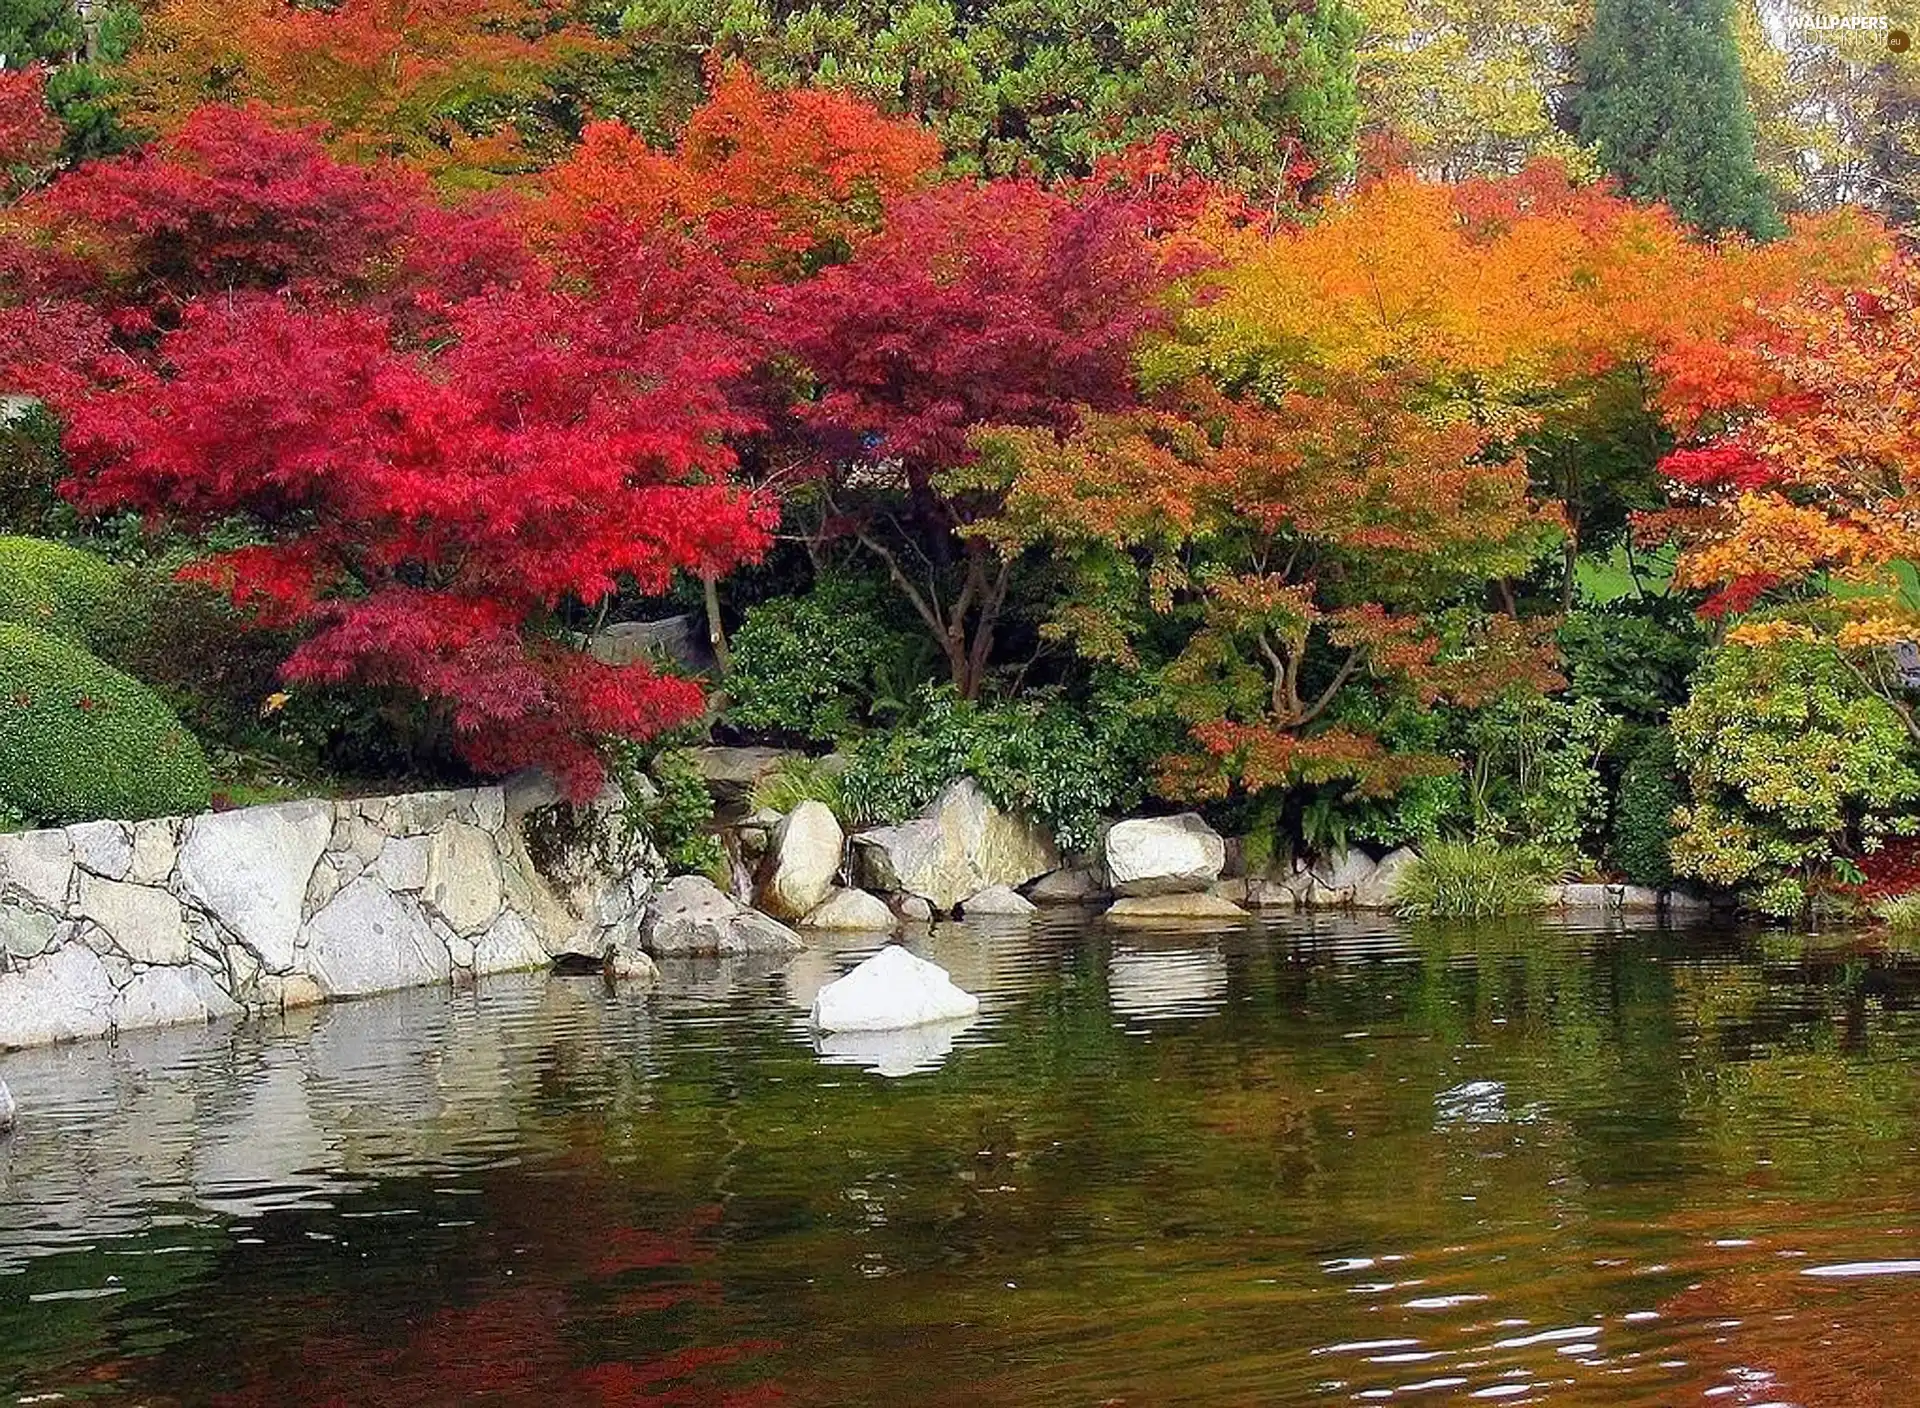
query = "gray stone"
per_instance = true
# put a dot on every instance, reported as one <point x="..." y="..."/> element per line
<point x="62" y="997"/>
<point x="1690" y="903"/>
<point x="146" y="925"/>
<point x="690" y="915"/>
<point x="733" y="773"/>
<point x="1584" y="896"/>
<point x="328" y="878"/>
<point x="39" y="865"/>
<point x="913" y="909"/>
<point x="530" y="790"/>
<point x="1072" y="884"/>
<point x="369" y="940"/>
<point x="1376" y="889"/>
<point x="250" y="870"/>
<point x="9" y="1112"/>
<point x="996" y="900"/>
<point x="1270" y="894"/>
<point x="509" y="946"/>
<point x="104" y="847"/>
<point x="959" y="846"/>
<point x="803" y="856"/>
<point x="675" y="640"/>
<point x="1637" y="899"/>
<point x="489" y="808"/>
<point x="463" y="884"/>
<point x="26" y="933"/>
<point x="1164" y="855"/>
<point x="402" y="863"/>
<point x="851" y="910"/>
<point x="417" y="813"/>
<point x="170" y="997"/>
<point x="156" y="846"/>
<point x="1338" y="879"/>
<point x="1187" y="904"/>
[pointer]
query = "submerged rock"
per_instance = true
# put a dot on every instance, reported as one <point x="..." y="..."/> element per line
<point x="692" y="915"/>
<point x="1164" y="855"/>
<point x="958" y="847"/>
<point x="851" y="910"/>
<point x="893" y="989"/>
<point x="1185" y="906"/>
<point x="996" y="900"/>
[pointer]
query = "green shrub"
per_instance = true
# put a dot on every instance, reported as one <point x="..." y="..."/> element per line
<point x="678" y="816"/>
<point x="1794" y="769"/>
<point x="1532" y="769"/>
<point x="1900" y="913"/>
<point x="1063" y="763"/>
<point x="80" y="741"/>
<point x="58" y="589"/>
<point x="1632" y="658"/>
<point x="1650" y="791"/>
<point x="1476" y="881"/>
<point x="807" y="666"/>
<point x="798" y="780"/>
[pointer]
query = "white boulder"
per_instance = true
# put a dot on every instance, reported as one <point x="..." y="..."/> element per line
<point x="1339" y="879"/>
<point x="1376" y="890"/>
<point x="369" y="940"/>
<point x="959" y="846"/>
<point x="7" y="1109"/>
<point x="890" y="990"/>
<point x="803" y="856"/>
<point x="1164" y="855"/>
<point x="852" y="911"/>
<point x="250" y="870"/>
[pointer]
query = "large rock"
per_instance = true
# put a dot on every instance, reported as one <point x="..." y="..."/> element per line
<point x="674" y="640"/>
<point x="890" y="990"/>
<point x="170" y="997"/>
<point x="250" y="870"/>
<point x="1184" y="906"/>
<point x="146" y="925"/>
<point x="463" y="878"/>
<point x="1164" y="855"/>
<point x="59" y="998"/>
<point x="996" y="900"/>
<point x="508" y="946"/>
<point x="1375" y="890"/>
<point x="732" y="773"/>
<point x="691" y="915"/>
<point x="853" y="911"/>
<point x="958" y="847"/>
<point x="1071" y="884"/>
<point x="803" y="856"/>
<point x="1339" y="879"/>
<point x="367" y="940"/>
<point x="39" y="865"/>
<point x="104" y="847"/>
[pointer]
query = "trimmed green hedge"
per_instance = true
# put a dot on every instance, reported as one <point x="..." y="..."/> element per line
<point x="55" y="588"/>
<point x="80" y="741"/>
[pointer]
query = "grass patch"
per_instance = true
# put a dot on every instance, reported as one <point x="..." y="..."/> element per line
<point x="1452" y="881"/>
<point x="1901" y="913"/>
<point x="799" y="780"/>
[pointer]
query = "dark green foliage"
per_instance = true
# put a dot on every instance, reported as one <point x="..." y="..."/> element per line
<point x="1632" y="658"/>
<point x="1662" y="98"/>
<point x="1650" y="789"/>
<point x="1248" y="88"/>
<point x="1061" y="763"/>
<point x="80" y="741"/>
<point x="813" y="666"/>
<point x="58" y="589"/>
<point x="678" y="818"/>
<point x="79" y="91"/>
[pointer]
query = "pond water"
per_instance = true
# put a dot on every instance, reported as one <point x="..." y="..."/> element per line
<point x="1303" y="1162"/>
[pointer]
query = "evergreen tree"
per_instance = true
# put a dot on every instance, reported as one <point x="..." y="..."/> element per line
<point x="1663" y="101"/>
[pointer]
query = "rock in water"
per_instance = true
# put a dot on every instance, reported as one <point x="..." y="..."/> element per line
<point x="6" y="1108"/>
<point x="1164" y="855"/>
<point x="996" y="900"/>
<point x="690" y="915"/>
<point x="892" y="989"/>
<point x="1189" y="906"/>
<point x="852" y="910"/>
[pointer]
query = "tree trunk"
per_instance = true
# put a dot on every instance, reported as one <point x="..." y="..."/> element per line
<point x="716" y="628"/>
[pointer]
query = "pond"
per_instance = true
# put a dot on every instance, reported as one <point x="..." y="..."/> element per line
<point x="1308" y="1161"/>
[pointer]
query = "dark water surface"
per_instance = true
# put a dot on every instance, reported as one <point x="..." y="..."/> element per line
<point x="1309" y="1162"/>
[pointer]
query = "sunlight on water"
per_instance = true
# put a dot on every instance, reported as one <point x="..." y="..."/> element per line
<point x="1326" y="1160"/>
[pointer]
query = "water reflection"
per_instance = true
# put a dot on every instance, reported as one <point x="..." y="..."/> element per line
<point x="907" y="1051"/>
<point x="1312" y="1160"/>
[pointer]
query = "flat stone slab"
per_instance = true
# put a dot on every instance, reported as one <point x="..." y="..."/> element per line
<point x="1174" y="907"/>
<point x="368" y="941"/>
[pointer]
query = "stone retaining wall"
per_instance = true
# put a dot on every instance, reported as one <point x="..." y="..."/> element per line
<point x="111" y="925"/>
